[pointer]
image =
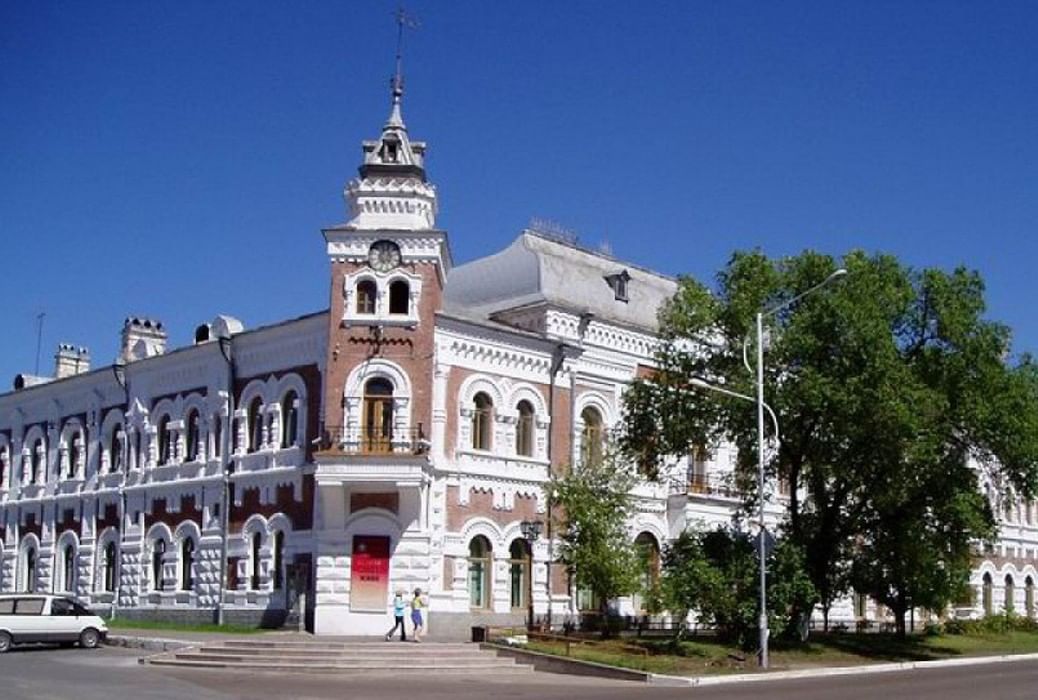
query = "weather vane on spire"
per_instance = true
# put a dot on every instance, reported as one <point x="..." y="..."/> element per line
<point x="403" y="19"/>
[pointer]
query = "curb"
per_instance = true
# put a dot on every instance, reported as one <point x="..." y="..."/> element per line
<point x="148" y="643"/>
<point x="660" y="679"/>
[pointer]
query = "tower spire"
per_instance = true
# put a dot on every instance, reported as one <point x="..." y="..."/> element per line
<point x="403" y="19"/>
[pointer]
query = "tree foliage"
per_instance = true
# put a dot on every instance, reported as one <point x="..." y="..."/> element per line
<point x="715" y="573"/>
<point x="593" y="503"/>
<point x="890" y="386"/>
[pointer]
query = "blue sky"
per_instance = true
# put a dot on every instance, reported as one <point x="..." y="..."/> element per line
<point x="178" y="160"/>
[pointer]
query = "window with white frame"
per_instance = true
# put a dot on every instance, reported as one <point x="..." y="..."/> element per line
<point x="482" y="417"/>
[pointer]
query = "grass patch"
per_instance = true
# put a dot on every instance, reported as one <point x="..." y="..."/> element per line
<point x="121" y="623"/>
<point x="705" y="655"/>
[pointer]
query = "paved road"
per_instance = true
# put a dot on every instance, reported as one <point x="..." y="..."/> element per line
<point x="107" y="674"/>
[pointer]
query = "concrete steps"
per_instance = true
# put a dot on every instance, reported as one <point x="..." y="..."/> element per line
<point x="315" y="656"/>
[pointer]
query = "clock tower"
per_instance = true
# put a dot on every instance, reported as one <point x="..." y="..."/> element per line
<point x="388" y="267"/>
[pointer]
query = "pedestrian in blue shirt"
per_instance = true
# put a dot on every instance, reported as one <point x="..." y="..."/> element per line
<point x="399" y="607"/>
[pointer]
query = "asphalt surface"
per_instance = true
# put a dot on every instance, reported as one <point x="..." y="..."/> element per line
<point x="111" y="673"/>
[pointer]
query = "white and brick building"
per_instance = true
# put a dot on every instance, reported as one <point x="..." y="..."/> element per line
<point x="398" y="439"/>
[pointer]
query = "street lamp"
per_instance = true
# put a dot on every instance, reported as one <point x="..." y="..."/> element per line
<point x="531" y="530"/>
<point x="761" y="315"/>
<point x="119" y="372"/>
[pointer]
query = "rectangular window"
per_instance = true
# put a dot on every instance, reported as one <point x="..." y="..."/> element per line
<point x="29" y="606"/>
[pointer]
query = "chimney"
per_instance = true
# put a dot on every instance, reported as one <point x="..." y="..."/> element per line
<point x="70" y="361"/>
<point x="141" y="338"/>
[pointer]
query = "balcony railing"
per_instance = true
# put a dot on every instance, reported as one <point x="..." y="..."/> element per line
<point x="373" y="440"/>
<point x="713" y="485"/>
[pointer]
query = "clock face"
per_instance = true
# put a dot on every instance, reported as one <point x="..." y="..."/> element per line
<point x="384" y="256"/>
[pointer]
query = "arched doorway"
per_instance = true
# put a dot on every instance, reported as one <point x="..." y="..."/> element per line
<point x="377" y="430"/>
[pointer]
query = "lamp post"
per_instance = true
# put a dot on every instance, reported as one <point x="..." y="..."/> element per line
<point x="761" y="315"/>
<point x="119" y="372"/>
<point x="227" y="351"/>
<point x="531" y="530"/>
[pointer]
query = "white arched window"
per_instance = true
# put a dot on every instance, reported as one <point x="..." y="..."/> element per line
<point x="367" y="293"/>
<point x="29" y="569"/>
<point x="164" y="438"/>
<point x="255" y="424"/>
<point x="479" y="572"/>
<point x="482" y="415"/>
<point x="519" y="573"/>
<point x="158" y="556"/>
<point x="290" y="419"/>
<point x="256" y="557"/>
<point x="278" y="554"/>
<point x="1010" y="594"/>
<point x="524" y="429"/>
<point x="110" y="562"/>
<point x="193" y="429"/>
<point x="592" y="438"/>
<point x="68" y="567"/>
<point x="399" y="297"/>
<point x="187" y="564"/>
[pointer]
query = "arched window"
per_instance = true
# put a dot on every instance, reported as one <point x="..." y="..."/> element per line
<point x="68" y="568"/>
<point x="109" y="567"/>
<point x="399" y="297"/>
<point x="4" y="462"/>
<point x="366" y="294"/>
<point x="592" y="437"/>
<point x="257" y="542"/>
<point x="649" y="562"/>
<point x="279" y="559"/>
<point x="1010" y="595"/>
<point x="479" y="572"/>
<point x="519" y="573"/>
<point x="115" y="449"/>
<point x="29" y="575"/>
<point x="193" y="426"/>
<point x="289" y="419"/>
<point x="524" y="430"/>
<point x="988" y="594"/>
<point x="137" y="449"/>
<point x="158" y="553"/>
<point x="255" y="419"/>
<point x="187" y="562"/>
<point x="217" y="436"/>
<point x="482" y="413"/>
<point x="37" y="460"/>
<point x="165" y="440"/>
<point x="378" y="416"/>
<point x="75" y="448"/>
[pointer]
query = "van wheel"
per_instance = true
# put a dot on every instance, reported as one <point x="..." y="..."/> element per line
<point x="5" y="642"/>
<point x="89" y="638"/>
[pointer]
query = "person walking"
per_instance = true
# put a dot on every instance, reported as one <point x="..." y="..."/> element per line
<point x="399" y="606"/>
<point x="418" y="603"/>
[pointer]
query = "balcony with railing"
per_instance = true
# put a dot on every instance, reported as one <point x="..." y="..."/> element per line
<point x="372" y="456"/>
<point x="715" y="485"/>
<point x="373" y="441"/>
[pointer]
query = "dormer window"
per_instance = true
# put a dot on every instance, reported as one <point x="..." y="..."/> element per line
<point x="618" y="283"/>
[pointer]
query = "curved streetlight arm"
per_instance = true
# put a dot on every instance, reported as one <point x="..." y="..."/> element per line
<point x="789" y="302"/>
<point x="703" y="384"/>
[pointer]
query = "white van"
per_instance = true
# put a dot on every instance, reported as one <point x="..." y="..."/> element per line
<point x="34" y="617"/>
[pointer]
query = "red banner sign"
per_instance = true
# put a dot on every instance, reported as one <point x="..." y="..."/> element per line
<point x="369" y="573"/>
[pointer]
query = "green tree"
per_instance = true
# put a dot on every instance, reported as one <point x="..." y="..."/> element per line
<point x="715" y="573"/>
<point x="592" y="506"/>
<point x="889" y="372"/>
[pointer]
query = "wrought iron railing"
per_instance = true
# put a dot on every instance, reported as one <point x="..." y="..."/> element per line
<point x="713" y="485"/>
<point x="373" y="440"/>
